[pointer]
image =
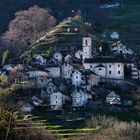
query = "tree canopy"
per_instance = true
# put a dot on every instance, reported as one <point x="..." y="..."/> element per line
<point x="28" y="26"/>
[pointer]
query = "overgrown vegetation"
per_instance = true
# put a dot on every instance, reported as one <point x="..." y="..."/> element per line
<point x="112" y="129"/>
<point x="25" y="29"/>
<point x="6" y="57"/>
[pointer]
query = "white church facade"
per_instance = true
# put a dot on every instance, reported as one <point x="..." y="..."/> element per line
<point x="106" y="67"/>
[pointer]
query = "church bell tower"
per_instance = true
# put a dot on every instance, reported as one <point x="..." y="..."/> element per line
<point x="87" y="47"/>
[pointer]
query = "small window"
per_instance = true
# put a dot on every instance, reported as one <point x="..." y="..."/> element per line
<point x="77" y="82"/>
<point x="109" y="72"/>
<point x="56" y="96"/>
<point x="99" y="69"/>
<point x="90" y="66"/>
<point x="56" y="102"/>
<point x="118" y="65"/>
<point x="110" y="66"/>
<point x="76" y="77"/>
<point x="119" y="72"/>
<point x="50" y="89"/>
<point x="86" y="42"/>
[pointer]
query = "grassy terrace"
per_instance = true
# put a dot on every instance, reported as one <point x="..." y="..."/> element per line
<point x="57" y="125"/>
<point x="66" y="127"/>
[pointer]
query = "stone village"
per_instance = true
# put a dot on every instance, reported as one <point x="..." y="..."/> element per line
<point x="69" y="77"/>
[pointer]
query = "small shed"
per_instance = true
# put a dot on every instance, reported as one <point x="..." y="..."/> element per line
<point x="115" y="35"/>
<point x="113" y="98"/>
<point x="26" y="107"/>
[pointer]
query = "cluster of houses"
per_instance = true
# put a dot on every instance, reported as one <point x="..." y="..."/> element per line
<point x="69" y="77"/>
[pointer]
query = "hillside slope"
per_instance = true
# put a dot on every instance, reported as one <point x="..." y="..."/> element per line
<point x="126" y="21"/>
<point x="68" y="33"/>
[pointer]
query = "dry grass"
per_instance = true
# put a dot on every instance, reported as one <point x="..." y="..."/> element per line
<point x="112" y="129"/>
<point x="31" y="134"/>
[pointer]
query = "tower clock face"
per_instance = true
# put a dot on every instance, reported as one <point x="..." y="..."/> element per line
<point x="78" y="95"/>
<point x="78" y="100"/>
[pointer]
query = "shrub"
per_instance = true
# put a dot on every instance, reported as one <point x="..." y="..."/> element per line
<point x="101" y="121"/>
<point x="112" y="129"/>
<point x="15" y="87"/>
<point x="32" y="134"/>
<point x="3" y="79"/>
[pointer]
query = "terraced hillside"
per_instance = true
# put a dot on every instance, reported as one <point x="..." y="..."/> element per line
<point x="126" y="21"/>
<point x="63" y="127"/>
<point x="68" y="33"/>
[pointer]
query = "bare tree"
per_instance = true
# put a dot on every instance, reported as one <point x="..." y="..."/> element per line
<point x="28" y="26"/>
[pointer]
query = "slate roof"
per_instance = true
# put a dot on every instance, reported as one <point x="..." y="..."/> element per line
<point x="85" y="90"/>
<point x="88" y="72"/>
<point x="38" y="69"/>
<point x="63" y="52"/>
<point x="52" y="65"/>
<point x="104" y="60"/>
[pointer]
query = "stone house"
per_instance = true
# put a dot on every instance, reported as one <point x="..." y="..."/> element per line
<point x="26" y="107"/>
<point x="113" y="98"/>
<point x="57" y="100"/>
<point x="58" y="56"/>
<point x="119" y="48"/>
<point x="80" y="98"/>
<point x="49" y="88"/>
<point x="34" y="73"/>
<point x="41" y="81"/>
<point x="115" y="35"/>
<point x="90" y="78"/>
<point x="135" y="72"/>
<point x="36" y="101"/>
<point x="67" y="58"/>
<point x="77" y="78"/>
<point x="54" y="70"/>
<point x="67" y="70"/>
<point x="79" y="54"/>
<point x="39" y="59"/>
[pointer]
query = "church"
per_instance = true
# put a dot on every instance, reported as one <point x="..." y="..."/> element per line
<point x="104" y="66"/>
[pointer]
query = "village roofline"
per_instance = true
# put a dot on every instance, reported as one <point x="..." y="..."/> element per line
<point x="104" y="60"/>
<point x="37" y="69"/>
<point x="88" y="72"/>
<point x="52" y="65"/>
<point x="53" y="81"/>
